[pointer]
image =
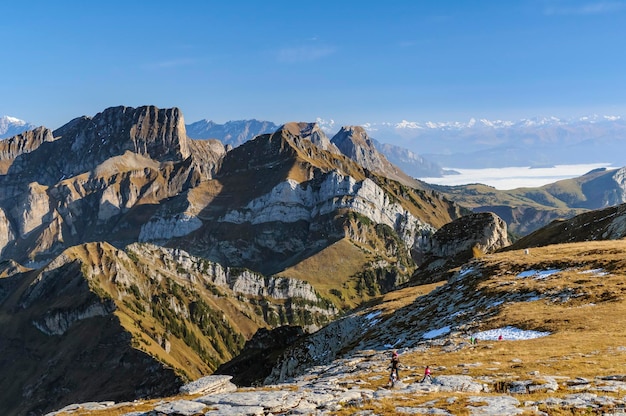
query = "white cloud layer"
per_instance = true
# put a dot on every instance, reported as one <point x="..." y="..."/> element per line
<point x="515" y="177"/>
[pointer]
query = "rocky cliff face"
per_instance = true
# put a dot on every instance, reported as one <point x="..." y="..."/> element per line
<point x="485" y="232"/>
<point x="290" y="202"/>
<point x="148" y="131"/>
<point x="461" y="240"/>
<point x="21" y="144"/>
<point x="95" y="171"/>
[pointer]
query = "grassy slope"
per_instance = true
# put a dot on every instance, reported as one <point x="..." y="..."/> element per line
<point x="587" y="337"/>
<point x="332" y="268"/>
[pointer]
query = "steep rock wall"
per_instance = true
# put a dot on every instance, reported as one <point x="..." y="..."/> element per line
<point x="290" y="201"/>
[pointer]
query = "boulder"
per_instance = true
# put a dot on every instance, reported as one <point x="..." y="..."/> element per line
<point x="209" y="385"/>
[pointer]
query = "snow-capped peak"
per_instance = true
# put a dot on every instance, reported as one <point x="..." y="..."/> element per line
<point x="474" y="123"/>
<point x="13" y="120"/>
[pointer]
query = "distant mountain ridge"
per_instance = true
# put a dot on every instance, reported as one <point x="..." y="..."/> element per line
<point x="482" y="143"/>
<point x="234" y="133"/>
<point x="424" y="149"/>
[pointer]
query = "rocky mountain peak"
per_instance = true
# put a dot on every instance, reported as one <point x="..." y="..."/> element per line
<point x="482" y="230"/>
<point x="157" y="133"/>
<point x="354" y="142"/>
<point x="310" y="131"/>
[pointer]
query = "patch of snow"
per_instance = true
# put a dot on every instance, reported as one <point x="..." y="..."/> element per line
<point x="371" y="318"/>
<point x="595" y="272"/>
<point x="372" y="315"/>
<point x="466" y="271"/>
<point x="436" y="332"/>
<point x="537" y="274"/>
<point x="509" y="333"/>
<point x="497" y="303"/>
<point x="394" y="344"/>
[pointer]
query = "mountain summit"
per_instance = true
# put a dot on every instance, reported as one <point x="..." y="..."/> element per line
<point x="354" y="142"/>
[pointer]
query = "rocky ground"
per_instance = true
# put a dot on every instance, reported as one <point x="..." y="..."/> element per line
<point x="346" y="387"/>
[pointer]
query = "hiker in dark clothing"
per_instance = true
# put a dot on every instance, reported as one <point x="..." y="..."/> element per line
<point x="395" y="362"/>
<point x="393" y="376"/>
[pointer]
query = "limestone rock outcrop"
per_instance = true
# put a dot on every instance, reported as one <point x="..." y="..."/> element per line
<point x="483" y="231"/>
<point x="26" y="142"/>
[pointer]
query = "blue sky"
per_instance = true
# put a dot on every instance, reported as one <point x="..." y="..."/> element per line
<point x="352" y="61"/>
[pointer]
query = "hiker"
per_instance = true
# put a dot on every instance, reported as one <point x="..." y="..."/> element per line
<point x="427" y="375"/>
<point x="500" y="337"/>
<point x="395" y="361"/>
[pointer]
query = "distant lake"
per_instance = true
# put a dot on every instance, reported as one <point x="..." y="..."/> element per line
<point x="516" y="177"/>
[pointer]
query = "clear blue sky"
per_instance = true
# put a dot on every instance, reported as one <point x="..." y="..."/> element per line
<point x="352" y="61"/>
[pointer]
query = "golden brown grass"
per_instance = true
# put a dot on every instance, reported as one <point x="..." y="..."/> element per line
<point x="587" y="326"/>
<point x="333" y="268"/>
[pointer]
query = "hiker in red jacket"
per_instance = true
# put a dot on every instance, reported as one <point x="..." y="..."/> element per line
<point x="427" y="375"/>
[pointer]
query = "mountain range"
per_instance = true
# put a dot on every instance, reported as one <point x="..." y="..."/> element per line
<point x="544" y="141"/>
<point x="432" y="149"/>
<point x="166" y="253"/>
<point x="428" y="149"/>
<point x="524" y="209"/>
<point x="136" y="259"/>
